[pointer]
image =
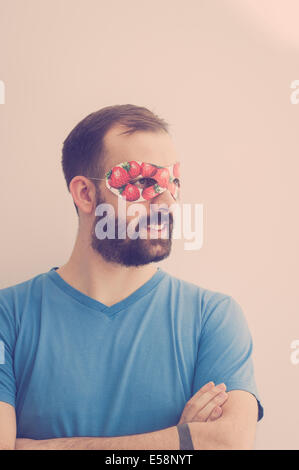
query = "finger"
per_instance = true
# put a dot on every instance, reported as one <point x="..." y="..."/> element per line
<point x="185" y="417"/>
<point x="216" y="413"/>
<point x="201" y="391"/>
<point x="200" y="399"/>
<point x="196" y="405"/>
<point x="205" y="412"/>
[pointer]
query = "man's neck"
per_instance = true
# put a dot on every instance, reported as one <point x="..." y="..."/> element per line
<point x="106" y="282"/>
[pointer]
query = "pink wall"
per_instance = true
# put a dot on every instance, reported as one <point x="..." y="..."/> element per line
<point x="220" y="72"/>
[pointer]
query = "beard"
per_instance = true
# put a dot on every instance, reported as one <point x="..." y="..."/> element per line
<point x="129" y="252"/>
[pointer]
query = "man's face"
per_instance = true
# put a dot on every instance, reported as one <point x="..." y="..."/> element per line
<point x="152" y="147"/>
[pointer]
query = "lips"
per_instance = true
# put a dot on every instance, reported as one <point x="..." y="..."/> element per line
<point x="157" y="227"/>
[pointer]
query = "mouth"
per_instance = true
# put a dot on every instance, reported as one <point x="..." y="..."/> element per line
<point x="154" y="228"/>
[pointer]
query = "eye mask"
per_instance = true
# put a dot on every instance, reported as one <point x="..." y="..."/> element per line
<point x="140" y="181"/>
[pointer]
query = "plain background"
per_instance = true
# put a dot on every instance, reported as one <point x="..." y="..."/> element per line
<point x="220" y="73"/>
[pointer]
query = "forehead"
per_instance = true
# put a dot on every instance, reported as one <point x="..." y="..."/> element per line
<point x="146" y="146"/>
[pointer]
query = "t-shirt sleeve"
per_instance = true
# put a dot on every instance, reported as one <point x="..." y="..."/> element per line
<point x="7" y="342"/>
<point x="225" y="349"/>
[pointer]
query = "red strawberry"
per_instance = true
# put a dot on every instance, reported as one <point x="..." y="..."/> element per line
<point x="176" y="170"/>
<point x="134" y="169"/>
<point x="130" y="192"/>
<point x="162" y="177"/>
<point x="119" y="176"/>
<point x="151" y="191"/>
<point x="147" y="170"/>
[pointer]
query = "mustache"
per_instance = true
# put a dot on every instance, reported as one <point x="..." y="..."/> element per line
<point x="158" y="218"/>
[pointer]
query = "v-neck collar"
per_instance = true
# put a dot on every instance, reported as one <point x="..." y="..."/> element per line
<point x="96" y="304"/>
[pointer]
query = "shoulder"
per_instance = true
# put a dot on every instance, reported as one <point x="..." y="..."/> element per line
<point x="212" y="305"/>
<point x="13" y="299"/>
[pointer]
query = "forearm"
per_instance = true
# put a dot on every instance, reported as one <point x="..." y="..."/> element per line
<point x="162" y="439"/>
<point x="234" y="430"/>
<point x="222" y="434"/>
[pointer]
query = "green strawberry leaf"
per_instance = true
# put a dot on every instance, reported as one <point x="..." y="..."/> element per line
<point x="126" y="166"/>
<point x="122" y="188"/>
<point x="108" y="174"/>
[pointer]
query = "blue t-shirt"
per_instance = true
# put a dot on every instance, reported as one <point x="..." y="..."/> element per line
<point x="73" y="366"/>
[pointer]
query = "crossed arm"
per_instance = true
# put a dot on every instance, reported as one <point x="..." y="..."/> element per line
<point x="233" y="429"/>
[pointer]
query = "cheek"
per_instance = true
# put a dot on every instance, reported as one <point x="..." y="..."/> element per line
<point x="137" y="210"/>
<point x="107" y="197"/>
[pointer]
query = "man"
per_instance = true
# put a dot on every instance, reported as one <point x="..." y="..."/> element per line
<point x="108" y="351"/>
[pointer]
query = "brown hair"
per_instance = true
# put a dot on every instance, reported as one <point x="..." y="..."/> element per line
<point x="83" y="149"/>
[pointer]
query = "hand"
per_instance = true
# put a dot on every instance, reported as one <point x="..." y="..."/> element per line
<point x="205" y="405"/>
<point x="25" y="444"/>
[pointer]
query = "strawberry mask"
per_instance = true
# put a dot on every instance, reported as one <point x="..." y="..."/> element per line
<point x="137" y="181"/>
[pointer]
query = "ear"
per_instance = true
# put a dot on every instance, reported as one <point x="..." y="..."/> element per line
<point x="83" y="193"/>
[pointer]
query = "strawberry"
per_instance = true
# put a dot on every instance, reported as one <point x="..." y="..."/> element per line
<point x="151" y="191"/>
<point x="147" y="170"/>
<point x="134" y="169"/>
<point x="162" y="177"/>
<point x="118" y="177"/>
<point x="176" y="170"/>
<point x="130" y="192"/>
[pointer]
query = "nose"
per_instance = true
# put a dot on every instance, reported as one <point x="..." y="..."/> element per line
<point x="160" y="206"/>
<point x="165" y="198"/>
